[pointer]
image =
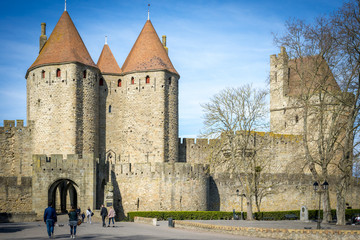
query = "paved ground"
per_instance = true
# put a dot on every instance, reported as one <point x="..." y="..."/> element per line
<point x="123" y="230"/>
<point x="132" y="231"/>
<point x="287" y="224"/>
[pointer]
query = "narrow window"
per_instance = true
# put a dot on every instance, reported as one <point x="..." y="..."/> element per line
<point x="288" y="74"/>
<point x="169" y="80"/>
<point x="43" y="74"/>
<point x="58" y="73"/>
<point x="84" y="74"/>
<point x="296" y="118"/>
<point x="285" y="124"/>
<point x="101" y="82"/>
<point x="147" y="80"/>
<point x="132" y="80"/>
<point x="109" y="108"/>
<point x="275" y="76"/>
<point x="119" y="83"/>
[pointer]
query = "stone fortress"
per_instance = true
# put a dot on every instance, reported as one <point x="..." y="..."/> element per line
<point x="98" y="133"/>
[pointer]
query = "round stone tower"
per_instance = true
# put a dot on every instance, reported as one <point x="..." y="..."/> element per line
<point x="63" y="93"/>
<point x="148" y="102"/>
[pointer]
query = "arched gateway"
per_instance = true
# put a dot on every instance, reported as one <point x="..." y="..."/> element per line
<point x="63" y="180"/>
<point x="63" y="194"/>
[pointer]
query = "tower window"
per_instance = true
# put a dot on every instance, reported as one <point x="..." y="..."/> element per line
<point x="169" y="80"/>
<point x="132" y="80"/>
<point x="84" y="74"/>
<point x="101" y="82"/>
<point x="58" y="73"/>
<point x="296" y="118"/>
<point x="43" y="74"/>
<point x="119" y="83"/>
<point x="147" y="80"/>
<point x="288" y="74"/>
<point x="109" y="108"/>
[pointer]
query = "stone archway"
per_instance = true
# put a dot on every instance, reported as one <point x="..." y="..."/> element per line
<point x="63" y="194"/>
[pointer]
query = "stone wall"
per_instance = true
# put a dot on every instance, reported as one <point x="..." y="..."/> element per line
<point x="15" y="194"/>
<point x="15" y="149"/>
<point x="296" y="234"/>
<point x="160" y="187"/>
<point x="288" y="186"/>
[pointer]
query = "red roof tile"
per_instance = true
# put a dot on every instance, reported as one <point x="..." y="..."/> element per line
<point x="148" y="53"/>
<point x="64" y="45"/>
<point x="107" y="62"/>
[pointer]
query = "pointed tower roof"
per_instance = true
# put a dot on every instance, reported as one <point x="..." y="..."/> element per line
<point x="107" y="62"/>
<point x="148" y="53"/>
<point x="64" y="45"/>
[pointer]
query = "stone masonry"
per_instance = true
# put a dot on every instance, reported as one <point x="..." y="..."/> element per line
<point x="98" y="133"/>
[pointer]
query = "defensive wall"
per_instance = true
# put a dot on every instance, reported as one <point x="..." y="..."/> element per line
<point x="15" y="149"/>
<point x="160" y="187"/>
<point x="284" y="151"/>
<point x="288" y="187"/>
<point x="16" y="167"/>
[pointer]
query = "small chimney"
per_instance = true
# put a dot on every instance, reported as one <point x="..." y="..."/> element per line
<point x="164" y="43"/>
<point x="43" y="37"/>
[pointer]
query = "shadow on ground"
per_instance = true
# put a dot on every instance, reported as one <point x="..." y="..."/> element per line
<point x="14" y="227"/>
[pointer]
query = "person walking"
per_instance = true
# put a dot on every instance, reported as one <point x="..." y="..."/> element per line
<point x="78" y="211"/>
<point x="73" y="221"/>
<point x="103" y="214"/>
<point x="50" y="219"/>
<point x="111" y="216"/>
<point x="88" y="215"/>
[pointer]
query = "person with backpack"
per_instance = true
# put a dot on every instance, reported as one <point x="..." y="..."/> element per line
<point x="73" y="221"/>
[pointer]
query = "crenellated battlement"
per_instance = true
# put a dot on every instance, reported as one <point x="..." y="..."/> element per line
<point x="59" y="162"/>
<point x="13" y="125"/>
<point x="203" y="143"/>
<point x="178" y="169"/>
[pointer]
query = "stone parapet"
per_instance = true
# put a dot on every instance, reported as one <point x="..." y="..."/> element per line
<point x="162" y="169"/>
<point x="296" y="234"/>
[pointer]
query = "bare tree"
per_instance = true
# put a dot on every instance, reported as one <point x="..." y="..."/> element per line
<point x="346" y="25"/>
<point x="314" y="90"/>
<point x="232" y="116"/>
<point x="325" y="60"/>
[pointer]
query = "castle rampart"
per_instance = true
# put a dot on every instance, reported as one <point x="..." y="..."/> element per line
<point x="15" y="148"/>
<point x="172" y="186"/>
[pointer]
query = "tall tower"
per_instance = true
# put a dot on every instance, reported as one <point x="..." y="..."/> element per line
<point x="63" y="93"/>
<point x="279" y="84"/>
<point x="149" y="102"/>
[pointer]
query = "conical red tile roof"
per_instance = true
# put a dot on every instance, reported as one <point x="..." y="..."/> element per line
<point x="64" y="45"/>
<point x="148" y="53"/>
<point x="107" y="62"/>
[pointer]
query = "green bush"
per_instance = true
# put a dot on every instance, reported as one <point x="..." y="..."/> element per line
<point x="182" y="215"/>
<point x="217" y="215"/>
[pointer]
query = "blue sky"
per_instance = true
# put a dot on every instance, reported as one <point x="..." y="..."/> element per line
<point x="212" y="44"/>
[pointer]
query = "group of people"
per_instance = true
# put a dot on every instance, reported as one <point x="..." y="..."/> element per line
<point x="75" y="218"/>
<point x="104" y="213"/>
